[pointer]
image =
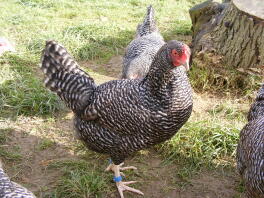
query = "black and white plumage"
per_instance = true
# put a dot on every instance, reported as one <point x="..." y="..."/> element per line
<point x="9" y="189"/>
<point x="120" y="117"/>
<point x="141" y="51"/>
<point x="250" y="150"/>
<point x="257" y="108"/>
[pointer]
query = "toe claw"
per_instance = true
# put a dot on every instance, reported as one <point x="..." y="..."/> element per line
<point x="108" y="168"/>
<point x="111" y="167"/>
<point x="121" y="193"/>
<point x="122" y="186"/>
<point x="128" y="167"/>
<point x="129" y="182"/>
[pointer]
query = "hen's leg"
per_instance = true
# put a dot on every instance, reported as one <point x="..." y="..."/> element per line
<point x="122" y="186"/>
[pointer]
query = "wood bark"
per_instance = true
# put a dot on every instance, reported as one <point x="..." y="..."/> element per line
<point x="235" y="34"/>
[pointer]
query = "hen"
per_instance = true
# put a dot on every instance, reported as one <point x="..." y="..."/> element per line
<point x="141" y="51"/>
<point x="120" y="117"/>
<point x="250" y="150"/>
<point x="9" y="189"/>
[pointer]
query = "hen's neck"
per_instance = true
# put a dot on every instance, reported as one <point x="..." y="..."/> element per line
<point x="161" y="79"/>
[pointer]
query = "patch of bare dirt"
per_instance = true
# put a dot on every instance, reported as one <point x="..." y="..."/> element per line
<point x="203" y="103"/>
<point x="212" y="185"/>
<point x="157" y="180"/>
<point x="26" y="135"/>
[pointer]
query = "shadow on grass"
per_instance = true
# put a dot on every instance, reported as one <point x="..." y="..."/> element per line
<point x="95" y="50"/>
<point x="22" y="92"/>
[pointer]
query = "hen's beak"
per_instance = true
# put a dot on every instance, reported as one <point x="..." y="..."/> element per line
<point x="189" y="58"/>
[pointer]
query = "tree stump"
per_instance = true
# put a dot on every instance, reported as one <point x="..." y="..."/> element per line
<point x="232" y="29"/>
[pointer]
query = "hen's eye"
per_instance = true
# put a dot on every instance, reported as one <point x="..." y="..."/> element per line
<point x="174" y="52"/>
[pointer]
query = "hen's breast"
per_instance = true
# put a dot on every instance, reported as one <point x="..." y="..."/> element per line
<point x="120" y="108"/>
<point x="123" y="108"/>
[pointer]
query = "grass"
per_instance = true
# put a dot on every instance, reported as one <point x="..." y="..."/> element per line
<point x="79" y="180"/>
<point x="4" y="135"/>
<point x="206" y="76"/>
<point x="45" y="143"/>
<point x="21" y="91"/>
<point x="228" y="111"/>
<point x="203" y="143"/>
<point x="11" y="154"/>
<point x="209" y="142"/>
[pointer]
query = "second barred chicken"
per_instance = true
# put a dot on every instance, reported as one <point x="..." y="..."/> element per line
<point x="250" y="149"/>
<point x="142" y="49"/>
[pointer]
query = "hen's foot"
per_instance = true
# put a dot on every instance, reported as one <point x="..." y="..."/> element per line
<point x="113" y="167"/>
<point x="122" y="186"/>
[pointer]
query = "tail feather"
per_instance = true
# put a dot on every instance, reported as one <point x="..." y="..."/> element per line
<point x="149" y="24"/>
<point x="64" y="77"/>
<point x="60" y="60"/>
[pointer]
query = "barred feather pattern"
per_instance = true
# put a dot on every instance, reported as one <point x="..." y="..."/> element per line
<point x="64" y="76"/>
<point x="257" y="108"/>
<point x="250" y="150"/>
<point x="134" y="114"/>
<point x="9" y="189"/>
<point x="149" y="24"/>
<point x="141" y="51"/>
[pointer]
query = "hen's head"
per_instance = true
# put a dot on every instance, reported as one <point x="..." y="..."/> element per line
<point x="179" y="54"/>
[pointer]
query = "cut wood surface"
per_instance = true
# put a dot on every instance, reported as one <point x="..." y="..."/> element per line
<point x="252" y="7"/>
